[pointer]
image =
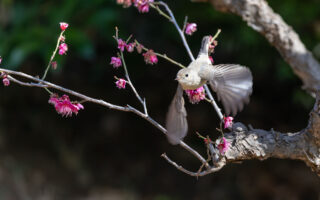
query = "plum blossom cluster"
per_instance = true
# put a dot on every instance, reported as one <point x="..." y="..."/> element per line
<point x="150" y="57"/>
<point x="64" y="106"/>
<point x="142" y="5"/>
<point x="116" y="62"/>
<point x="122" y="45"/>
<point x="223" y="146"/>
<point x="195" y="96"/>
<point x="63" y="47"/>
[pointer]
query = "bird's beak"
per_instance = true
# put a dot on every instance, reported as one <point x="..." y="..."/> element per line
<point x="177" y="79"/>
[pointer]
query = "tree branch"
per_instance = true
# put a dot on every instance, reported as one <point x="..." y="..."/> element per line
<point x="261" y="144"/>
<point x="45" y="84"/>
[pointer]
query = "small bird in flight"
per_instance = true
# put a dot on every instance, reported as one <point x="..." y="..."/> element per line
<point x="231" y="82"/>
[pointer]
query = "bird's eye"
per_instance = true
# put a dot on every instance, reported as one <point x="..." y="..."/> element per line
<point x="187" y="75"/>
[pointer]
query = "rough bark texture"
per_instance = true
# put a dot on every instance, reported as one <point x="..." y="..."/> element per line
<point x="264" y="20"/>
<point x="261" y="144"/>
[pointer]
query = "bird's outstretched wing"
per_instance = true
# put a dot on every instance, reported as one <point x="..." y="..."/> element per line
<point x="232" y="83"/>
<point x="176" y="120"/>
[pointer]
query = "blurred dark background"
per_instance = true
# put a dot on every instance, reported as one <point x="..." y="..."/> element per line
<point x="106" y="154"/>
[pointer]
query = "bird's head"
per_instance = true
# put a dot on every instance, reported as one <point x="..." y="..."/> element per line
<point x="188" y="79"/>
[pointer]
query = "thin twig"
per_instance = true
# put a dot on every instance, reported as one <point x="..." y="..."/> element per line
<point x="26" y="84"/>
<point x="216" y="35"/>
<point x="185" y="23"/>
<point x="179" y="167"/>
<point x="128" y="108"/>
<point x="174" y="21"/>
<point x="214" y="104"/>
<point x="52" y="56"/>
<point x="162" y="56"/>
<point x="196" y="174"/>
<point x="145" y="107"/>
<point x="126" y="71"/>
<point x="62" y="89"/>
<point x="156" y="7"/>
<point x="129" y="80"/>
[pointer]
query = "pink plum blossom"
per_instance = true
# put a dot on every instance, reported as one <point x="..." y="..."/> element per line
<point x="79" y="106"/>
<point x="150" y="57"/>
<point x="121" y="83"/>
<point x="0" y="59"/>
<point x="227" y="122"/>
<point x="64" y="106"/>
<point x="121" y="44"/>
<point x="191" y="28"/>
<point x="130" y="47"/>
<point x="139" y="48"/>
<point x="63" y="25"/>
<point x="223" y="146"/>
<point x="63" y="48"/>
<point x="116" y="62"/>
<point x="142" y="5"/>
<point x="6" y="81"/>
<point x="195" y="96"/>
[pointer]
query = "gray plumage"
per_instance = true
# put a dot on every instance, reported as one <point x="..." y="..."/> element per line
<point x="231" y="82"/>
<point x="176" y="120"/>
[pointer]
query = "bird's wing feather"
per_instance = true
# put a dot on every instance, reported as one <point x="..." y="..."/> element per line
<point x="176" y="120"/>
<point x="232" y="83"/>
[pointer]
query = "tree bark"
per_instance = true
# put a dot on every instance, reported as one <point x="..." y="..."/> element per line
<point x="260" y="17"/>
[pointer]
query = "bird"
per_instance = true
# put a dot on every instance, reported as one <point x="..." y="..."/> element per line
<point x="231" y="82"/>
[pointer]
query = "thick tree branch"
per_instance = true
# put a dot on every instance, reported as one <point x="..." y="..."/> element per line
<point x="264" y="20"/>
<point x="248" y="144"/>
<point x="261" y="144"/>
